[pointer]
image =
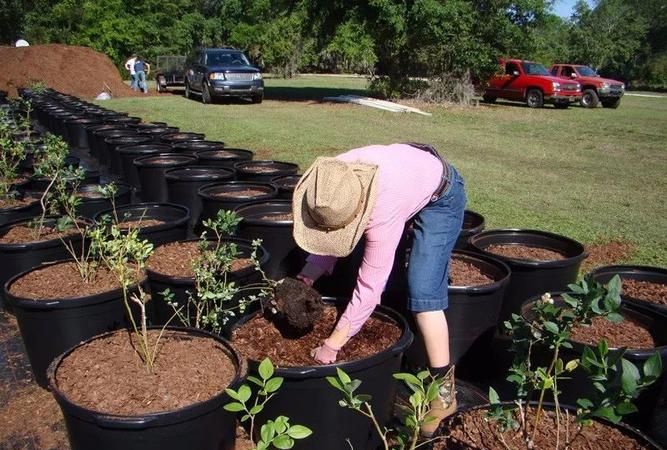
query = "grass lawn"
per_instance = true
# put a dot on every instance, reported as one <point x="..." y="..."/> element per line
<point x="593" y="175"/>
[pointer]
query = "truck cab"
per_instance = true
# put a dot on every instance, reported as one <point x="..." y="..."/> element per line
<point x="595" y="89"/>
<point x="530" y="82"/>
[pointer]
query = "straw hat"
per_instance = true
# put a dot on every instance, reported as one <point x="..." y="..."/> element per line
<point x="332" y="204"/>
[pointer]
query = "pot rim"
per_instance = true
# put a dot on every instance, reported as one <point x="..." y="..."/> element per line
<point x="147" y="420"/>
<point x="208" y="154"/>
<point x="130" y="149"/>
<point x="214" y="173"/>
<point x="153" y="206"/>
<point x="143" y="161"/>
<point x="265" y="222"/>
<point x="272" y="192"/>
<point x="37" y="245"/>
<point x="284" y="165"/>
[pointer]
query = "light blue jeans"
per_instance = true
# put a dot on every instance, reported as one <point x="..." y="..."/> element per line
<point x="133" y="81"/>
<point x="141" y="81"/>
<point x="436" y="228"/>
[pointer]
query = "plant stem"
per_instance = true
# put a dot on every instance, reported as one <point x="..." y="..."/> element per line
<point x="542" y="391"/>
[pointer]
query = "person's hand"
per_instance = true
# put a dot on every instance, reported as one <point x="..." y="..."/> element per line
<point x="324" y="354"/>
<point x="305" y="280"/>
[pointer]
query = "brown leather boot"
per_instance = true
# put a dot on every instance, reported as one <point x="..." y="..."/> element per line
<point x="443" y="406"/>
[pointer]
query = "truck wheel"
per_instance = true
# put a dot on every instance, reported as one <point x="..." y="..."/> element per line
<point x="611" y="103"/>
<point x="589" y="99"/>
<point x="488" y="99"/>
<point x="534" y="98"/>
<point x="188" y="92"/>
<point x="205" y="94"/>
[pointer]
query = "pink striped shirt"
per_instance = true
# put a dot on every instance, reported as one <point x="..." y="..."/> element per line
<point x="407" y="177"/>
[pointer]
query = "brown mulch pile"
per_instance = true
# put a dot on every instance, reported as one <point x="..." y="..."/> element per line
<point x="258" y="338"/>
<point x="62" y="281"/>
<point x="525" y="252"/>
<point x="627" y="333"/>
<point x="175" y="260"/>
<point x="606" y="253"/>
<point x="645" y="290"/>
<point x="79" y="71"/>
<point x="473" y="430"/>
<point x="22" y="234"/>
<point x="107" y="375"/>
<point x="463" y="273"/>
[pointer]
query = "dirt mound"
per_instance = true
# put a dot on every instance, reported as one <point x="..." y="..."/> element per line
<point x="79" y="71"/>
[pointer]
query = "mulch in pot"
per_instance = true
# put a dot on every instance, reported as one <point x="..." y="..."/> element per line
<point x="107" y="375"/>
<point x="240" y="193"/>
<point x="175" y="260"/>
<point x="526" y="252"/>
<point x="645" y="290"/>
<point x="472" y="430"/>
<point x="628" y="333"/>
<point x="23" y="234"/>
<point x="463" y="273"/>
<point x="258" y="338"/>
<point x="61" y="281"/>
<point x="139" y="223"/>
<point x="7" y="203"/>
<point x="278" y="217"/>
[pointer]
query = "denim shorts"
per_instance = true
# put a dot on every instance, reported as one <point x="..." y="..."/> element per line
<point x="436" y="229"/>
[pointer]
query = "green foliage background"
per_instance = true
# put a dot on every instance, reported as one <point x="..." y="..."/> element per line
<point x="392" y="38"/>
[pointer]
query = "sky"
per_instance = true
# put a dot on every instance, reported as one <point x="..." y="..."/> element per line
<point x="563" y="8"/>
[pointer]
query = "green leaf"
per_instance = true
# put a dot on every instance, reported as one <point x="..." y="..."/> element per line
<point x="615" y="317"/>
<point x="265" y="369"/>
<point x="571" y="365"/>
<point x="283" y="442"/>
<point x="342" y="376"/>
<point x="232" y="393"/>
<point x="584" y="403"/>
<point x="267" y="431"/>
<point x="364" y="398"/>
<point x="653" y="366"/>
<point x="299" y="432"/>
<point x="333" y="381"/>
<point x="607" y="412"/>
<point x="256" y="409"/>
<point x="493" y="396"/>
<point x="234" y="407"/>
<point x="244" y="393"/>
<point x="625" y="408"/>
<point x="551" y="327"/>
<point x="255" y="380"/>
<point x="274" y="384"/>
<point x="281" y="424"/>
<point x="629" y="377"/>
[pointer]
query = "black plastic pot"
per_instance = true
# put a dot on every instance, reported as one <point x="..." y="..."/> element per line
<point x="114" y="143"/>
<point x="308" y="399"/>
<point x="20" y="212"/>
<point x="147" y="125"/>
<point x="161" y="312"/>
<point x="203" y="426"/>
<point x="76" y="129"/>
<point x="214" y="199"/>
<point x="158" y="132"/>
<point x="287" y="259"/>
<point x="531" y="278"/>
<point x="128" y="154"/>
<point x="124" y="119"/>
<point x="175" y="218"/>
<point x="50" y="326"/>
<point x="17" y="258"/>
<point x="102" y="149"/>
<point x="473" y="223"/>
<point x="40" y="184"/>
<point x="193" y="147"/>
<point x="576" y="384"/>
<point x="92" y="201"/>
<point x="264" y="170"/>
<point x="640" y="273"/>
<point x="286" y="185"/>
<point x="174" y="138"/>
<point x="151" y="170"/>
<point x="472" y="314"/>
<point x="184" y="183"/>
<point x="226" y="157"/>
<point x="93" y="143"/>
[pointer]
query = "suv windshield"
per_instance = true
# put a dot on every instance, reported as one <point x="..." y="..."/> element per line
<point x="534" y="69"/>
<point x="222" y="58"/>
<point x="586" y="71"/>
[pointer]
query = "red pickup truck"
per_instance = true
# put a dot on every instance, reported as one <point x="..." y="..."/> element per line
<point x="595" y="89"/>
<point x="530" y="82"/>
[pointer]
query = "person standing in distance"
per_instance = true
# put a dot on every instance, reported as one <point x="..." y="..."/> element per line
<point x="129" y="66"/>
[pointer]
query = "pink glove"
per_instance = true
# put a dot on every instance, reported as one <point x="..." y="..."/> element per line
<point x="324" y="354"/>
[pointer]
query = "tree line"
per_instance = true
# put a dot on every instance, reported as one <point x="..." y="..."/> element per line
<point x="397" y="42"/>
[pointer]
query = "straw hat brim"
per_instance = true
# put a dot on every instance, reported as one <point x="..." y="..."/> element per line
<point x="340" y="242"/>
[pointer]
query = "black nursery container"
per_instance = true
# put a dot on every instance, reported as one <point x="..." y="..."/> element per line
<point x="202" y="426"/>
<point x="286" y="185"/>
<point x="175" y="218"/>
<point x="20" y="212"/>
<point x="193" y="147"/>
<point x="161" y="312"/>
<point x="472" y="314"/>
<point x="93" y="143"/>
<point x="102" y="151"/>
<point x="656" y="275"/>
<point x="158" y="132"/>
<point x="174" y="138"/>
<point x="473" y="223"/>
<point x="264" y="170"/>
<point x="230" y="195"/>
<point x="307" y="398"/>
<point x="93" y="202"/>
<point x="122" y="141"/>
<point x="184" y="183"/>
<point x="50" y="326"/>
<point x="226" y="157"/>
<point x="76" y="129"/>
<point x="151" y="170"/>
<point x="129" y="153"/>
<point x="259" y="222"/>
<point x="17" y="258"/>
<point x="531" y="278"/>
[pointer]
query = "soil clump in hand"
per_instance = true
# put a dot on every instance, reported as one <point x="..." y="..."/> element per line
<point x="297" y="307"/>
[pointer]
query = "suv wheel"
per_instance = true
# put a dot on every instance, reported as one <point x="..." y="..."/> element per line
<point x="205" y="94"/>
<point x="534" y="98"/>
<point x="188" y="92"/>
<point x="611" y="103"/>
<point x="589" y="99"/>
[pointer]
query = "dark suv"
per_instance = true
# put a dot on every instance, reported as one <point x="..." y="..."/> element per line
<point x="222" y="72"/>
